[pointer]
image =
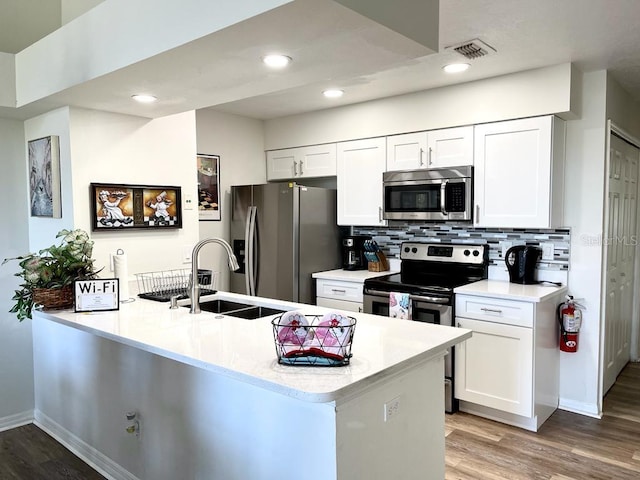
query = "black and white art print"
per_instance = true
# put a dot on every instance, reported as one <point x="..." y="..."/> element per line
<point x="44" y="177"/>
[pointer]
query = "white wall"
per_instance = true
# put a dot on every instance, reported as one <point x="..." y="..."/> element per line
<point x="42" y="231"/>
<point x="584" y="201"/>
<point x="16" y="359"/>
<point x="240" y="143"/>
<point x="114" y="148"/>
<point x="523" y="94"/>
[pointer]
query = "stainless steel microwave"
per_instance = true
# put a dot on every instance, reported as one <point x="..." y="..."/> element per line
<point x="434" y="194"/>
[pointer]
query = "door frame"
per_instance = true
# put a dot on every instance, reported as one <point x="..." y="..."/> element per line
<point x="612" y="128"/>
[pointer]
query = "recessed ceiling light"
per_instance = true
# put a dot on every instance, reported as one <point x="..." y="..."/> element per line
<point x="333" y="93"/>
<point x="276" y="61"/>
<point x="143" y="98"/>
<point x="456" y="67"/>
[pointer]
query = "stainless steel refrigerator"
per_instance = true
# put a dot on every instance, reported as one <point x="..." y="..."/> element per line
<point x="281" y="233"/>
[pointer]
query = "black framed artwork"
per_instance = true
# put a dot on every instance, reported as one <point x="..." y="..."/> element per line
<point x="208" y="187"/>
<point x="120" y="206"/>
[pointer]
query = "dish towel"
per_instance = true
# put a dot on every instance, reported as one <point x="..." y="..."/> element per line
<point x="399" y="305"/>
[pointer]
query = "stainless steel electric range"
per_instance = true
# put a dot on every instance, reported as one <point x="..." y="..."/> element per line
<point x="428" y="274"/>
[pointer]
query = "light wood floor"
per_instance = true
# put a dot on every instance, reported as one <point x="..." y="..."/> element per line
<point x="567" y="447"/>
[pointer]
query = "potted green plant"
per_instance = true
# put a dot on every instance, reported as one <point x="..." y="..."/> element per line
<point x="49" y="274"/>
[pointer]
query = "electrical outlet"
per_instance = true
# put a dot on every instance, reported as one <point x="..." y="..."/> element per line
<point x="547" y="250"/>
<point x="505" y="246"/>
<point x="391" y="409"/>
<point x="186" y="253"/>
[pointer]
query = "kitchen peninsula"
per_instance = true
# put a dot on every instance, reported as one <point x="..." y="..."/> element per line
<point x="213" y="402"/>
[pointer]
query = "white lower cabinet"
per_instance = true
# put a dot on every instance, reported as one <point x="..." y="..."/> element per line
<point x="495" y="367"/>
<point x="339" y="294"/>
<point x="509" y="369"/>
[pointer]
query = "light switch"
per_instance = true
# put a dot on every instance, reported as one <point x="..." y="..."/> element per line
<point x="188" y="201"/>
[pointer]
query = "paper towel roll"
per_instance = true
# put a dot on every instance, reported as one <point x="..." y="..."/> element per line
<point x="122" y="274"/>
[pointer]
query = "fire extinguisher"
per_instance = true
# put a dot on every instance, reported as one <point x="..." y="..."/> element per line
<point x="570" y="320"/>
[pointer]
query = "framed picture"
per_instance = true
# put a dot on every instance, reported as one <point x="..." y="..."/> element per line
<point x="209" y="187"/>
<point x="121" y="206"/>
<point x="44" y="177"/>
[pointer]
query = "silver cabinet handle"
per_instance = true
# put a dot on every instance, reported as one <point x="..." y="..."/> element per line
<point x="380" y="214"/>
<point x="421" y="154"/>
<point x="491" y="310"/>
<point x="295" y="168"/>
<point x="337" y="290"/>
<point x="477" y="212"/>
<point x="430" y="156"/>
<point x="300" y="167"/>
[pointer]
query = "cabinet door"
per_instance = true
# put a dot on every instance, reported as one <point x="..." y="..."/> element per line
<point x="317" y="161"/>
<point x="494" y="367"/>
<point x="512" y="185"/>
<point x="361" y="164"/>
<point x="450" y="147"/>
<point x="302" y="162"/>
<point x="339" y="304"/>
<point x="280" y="164"/>
<point x="406" y="152"/>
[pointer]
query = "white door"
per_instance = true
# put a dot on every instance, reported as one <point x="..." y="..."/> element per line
<point x="317" y="161"/>
<point x="512" y="178"/>
<point x="280" y="164"/>
<point x="450" y="147"/>
<point x="407" y="151"/>
<point x="494" y="367"/>
<point x="361" y="164"/>
<point x="622" y="187"/>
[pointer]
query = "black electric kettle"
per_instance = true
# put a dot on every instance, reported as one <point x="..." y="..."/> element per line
<point x="521" y="262"/>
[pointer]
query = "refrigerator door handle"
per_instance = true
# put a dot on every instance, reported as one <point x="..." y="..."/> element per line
<point x="250" y="237"/>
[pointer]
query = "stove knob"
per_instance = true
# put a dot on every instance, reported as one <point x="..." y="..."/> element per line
<point x="406" y="249"/>
<point x="476" y="253"/>
<point x="467" y="253"/>
<point x="414" y="250"/>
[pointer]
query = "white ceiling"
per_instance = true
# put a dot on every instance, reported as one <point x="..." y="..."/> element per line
<point x="593" y="34"/>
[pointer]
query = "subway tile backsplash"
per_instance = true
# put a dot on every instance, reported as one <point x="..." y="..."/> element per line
<point x="390" y="238"/>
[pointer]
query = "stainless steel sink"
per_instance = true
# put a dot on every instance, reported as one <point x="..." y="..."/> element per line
<point x="236" y="309"/>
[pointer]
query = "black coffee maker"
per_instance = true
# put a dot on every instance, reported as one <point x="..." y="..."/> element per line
<point x="521" y="262"/>
<point x="353" y="252"/>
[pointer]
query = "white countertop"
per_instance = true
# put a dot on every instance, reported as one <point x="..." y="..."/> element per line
<point x="510" y="291"/>
<point x="244" y="349"/>
<point x="351" y="275"/>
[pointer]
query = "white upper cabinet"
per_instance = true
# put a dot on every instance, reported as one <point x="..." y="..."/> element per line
<point x="519" y="172"/>
<point x="302" y="162"/>
<point x="449" y="147"/>
<point x="361" y="164"/>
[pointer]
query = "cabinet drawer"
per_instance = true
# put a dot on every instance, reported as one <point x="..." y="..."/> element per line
<point x="350" y="291"/>
<point x="509" y="312"/>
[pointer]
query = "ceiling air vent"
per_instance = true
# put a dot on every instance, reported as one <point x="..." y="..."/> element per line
<point x="473" y="49"/>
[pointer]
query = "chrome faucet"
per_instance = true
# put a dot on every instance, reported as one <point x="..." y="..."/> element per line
<point x="194" y="290"/>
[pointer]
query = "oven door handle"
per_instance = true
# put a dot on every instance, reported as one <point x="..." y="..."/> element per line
<point x="420" y="298"/>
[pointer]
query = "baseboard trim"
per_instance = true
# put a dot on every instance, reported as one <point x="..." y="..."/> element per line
<point x="17" y="420"/>
<point x="588" y="409"/>
<point x="103" y="464"/>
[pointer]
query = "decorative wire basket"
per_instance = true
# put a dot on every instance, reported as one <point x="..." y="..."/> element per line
<point x="163" y="285"/>
<point x="316" y="340"/>
<point x="54" y="298"/>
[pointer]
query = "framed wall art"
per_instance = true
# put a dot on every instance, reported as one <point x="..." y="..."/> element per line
<point x="120" y="206"/>
<point x="209" y="187"/>
<point x="44" y="177"/>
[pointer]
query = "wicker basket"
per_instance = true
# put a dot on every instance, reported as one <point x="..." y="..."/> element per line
<point x="53" y="298"/>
